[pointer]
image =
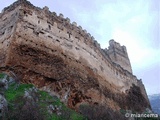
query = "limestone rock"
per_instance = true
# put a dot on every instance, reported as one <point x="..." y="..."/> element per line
<point x="3" y="105"/>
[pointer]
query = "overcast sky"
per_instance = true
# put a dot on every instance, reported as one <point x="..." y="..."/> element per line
<point x="133" y="23"/>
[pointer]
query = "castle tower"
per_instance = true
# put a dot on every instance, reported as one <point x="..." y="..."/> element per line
<point x="118" y="54"/>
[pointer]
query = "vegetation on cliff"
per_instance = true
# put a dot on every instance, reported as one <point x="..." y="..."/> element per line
<point x="26" y="102"/>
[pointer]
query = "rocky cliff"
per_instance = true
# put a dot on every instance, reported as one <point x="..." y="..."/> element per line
<point x="60" y="57"/>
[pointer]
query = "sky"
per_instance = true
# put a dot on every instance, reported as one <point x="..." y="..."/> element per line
<point x="133" y="23"/>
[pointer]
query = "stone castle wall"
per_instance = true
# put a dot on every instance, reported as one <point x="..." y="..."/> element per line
<point x="51" y="32"/>
<point x="58" y="56"/>
<point x="118" y="54"/>
<point x="7" y="26"/>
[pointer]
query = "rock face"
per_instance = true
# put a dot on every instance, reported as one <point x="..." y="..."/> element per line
<point x="63" y="59"/>
<point x="3" y="105"/>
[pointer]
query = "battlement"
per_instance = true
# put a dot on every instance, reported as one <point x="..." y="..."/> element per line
<point x="118" y="54"/>
<point x="53" y="19"/>
<point x="115" y="45"/>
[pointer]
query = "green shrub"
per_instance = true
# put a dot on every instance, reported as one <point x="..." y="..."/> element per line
<point x="12" y="93"/>
<point x="2" y="75"/>
<point x="18" y="107"/>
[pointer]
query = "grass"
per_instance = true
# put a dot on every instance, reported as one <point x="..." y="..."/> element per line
<point x="2" y="75"/>
<point x="14" y="95"/>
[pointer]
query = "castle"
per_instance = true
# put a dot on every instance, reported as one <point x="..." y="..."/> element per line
<point x="60" y="57"/>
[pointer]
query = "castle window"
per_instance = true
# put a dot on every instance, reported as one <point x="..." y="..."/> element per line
<point x="3" y="33"/>
<point x="11" y="27"/>
<point x="116" y="72"/>
<point x="24" y="12"/>
<point x="38" y="21"/>
<point x="49" y="27"/>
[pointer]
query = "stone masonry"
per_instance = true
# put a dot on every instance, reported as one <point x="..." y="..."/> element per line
<point x="60" y="57"/>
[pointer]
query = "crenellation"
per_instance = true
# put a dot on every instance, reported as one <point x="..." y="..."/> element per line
<point x="59" y="18"/>
<point x="93" y="39"/>
<point x="74" y="24"/>
<point x="89" y="35"/>
<point x="80" y="28"/>
<point x="53" y="14"/>
<point x="61" y="15"/>
<point x="97" y="45"/>
<point x="68" y="20"/>
<point x="46" y="9"/>
<point x="85" y="31"/>
<point x="124" y="48"/>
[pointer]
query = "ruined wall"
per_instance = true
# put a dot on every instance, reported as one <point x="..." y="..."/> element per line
<point x="7" y="25"/>
<point x="55" y="35"/>
<point x="64" y="59"/>
<point x="118" y="54"/>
